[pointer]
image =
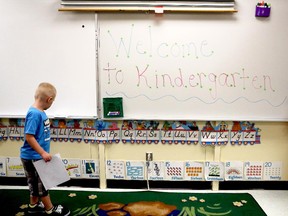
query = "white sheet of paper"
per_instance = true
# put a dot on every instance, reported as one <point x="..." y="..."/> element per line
<point x="52" y="173"/>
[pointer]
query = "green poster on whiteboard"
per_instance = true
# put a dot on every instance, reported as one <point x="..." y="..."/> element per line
<point x="113" y="107"/>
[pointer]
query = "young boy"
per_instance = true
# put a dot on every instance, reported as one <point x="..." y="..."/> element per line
<point x="37" y="146"/>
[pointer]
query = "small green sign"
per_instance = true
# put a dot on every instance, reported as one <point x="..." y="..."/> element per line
<point x="113" y="107"/>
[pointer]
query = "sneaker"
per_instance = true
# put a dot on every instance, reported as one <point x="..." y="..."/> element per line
<point x="39" y="209"/>
<point x="60" y="211"/>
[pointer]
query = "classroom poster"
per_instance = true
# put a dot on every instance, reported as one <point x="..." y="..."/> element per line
<point x="107" y="132"/>
<point x="128" y="131"/>
<point x="214" y="171"/>
<point x="66" y="130"/>
<point x="73" y="167"/>
<point x="3" y="133"/>
<point x="115" y="169"/>
<point x="253" y="170"/>
<point x="234" y="171"/>
<point x="113" y="136"/>
<point x="156" y="170"/>
<point x="143" y="131"/>
<point x="244" y="132"/>
<point x="89" y="135"/>
<point x="194" y="171"/>
<point x="183" y="132"/>
<point x="212" y="134"/>
<point x="272" y="170"/>
<point x="75" y="134"/>
<point x="3" y="166"/>
<point x="140" y="131"/>
<point x="16" y="132"/>
<point x="174" y="170"/>
<point x="90" y="169"/>
<point x="166" y="136"/>
<point x="53" y="134"/>
<point x="135" y="170"/>
<point x="153" y="136"/>
<point x="59" y="130"/>
<point x="15" y="167"/>
<point x="193" y="136"/>
<point x="63" y="134"/>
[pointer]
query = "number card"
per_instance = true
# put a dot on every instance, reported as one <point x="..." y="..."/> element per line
<point x="15" y="167"/>
<point x="115" y="169"/>
<point x="214" y="171"/>
<point x="194" y="171"/>
<point x="73" y="167"/>
<point x="3" y="166"/>
<point x="174" y="170"/>
<point x="90" y="169"/>
<point x="135" y="170"/>
<point x="253" y="170"/>
<point x="272" y="171"/>
<point x="234" y="171"/>
<point x="156" y="170"/>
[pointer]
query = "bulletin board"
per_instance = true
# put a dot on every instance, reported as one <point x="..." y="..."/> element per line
<point x="39" y="44"/>
<point x="197" y="66"/>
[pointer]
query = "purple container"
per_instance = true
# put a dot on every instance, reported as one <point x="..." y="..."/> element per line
<point x="262" y="11"/>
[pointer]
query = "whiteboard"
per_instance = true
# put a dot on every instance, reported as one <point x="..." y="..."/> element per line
<point x="39" y="44"/>
<point x="197" y="66"/>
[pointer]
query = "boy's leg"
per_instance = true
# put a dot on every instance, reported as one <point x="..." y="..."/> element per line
<point x="36" y="187"/>
<point x="37" y="190"/>
<point x="47" y="202"/>
<point x="34" y="200"/>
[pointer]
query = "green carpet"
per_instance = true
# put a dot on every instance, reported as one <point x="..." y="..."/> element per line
<point x="140" y="203"/>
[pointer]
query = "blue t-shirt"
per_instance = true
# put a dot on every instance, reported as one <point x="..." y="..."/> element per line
<point x="37" y="124"/>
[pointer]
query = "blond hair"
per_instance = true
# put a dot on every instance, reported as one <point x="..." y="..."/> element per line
<point x="45" y="90"/>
